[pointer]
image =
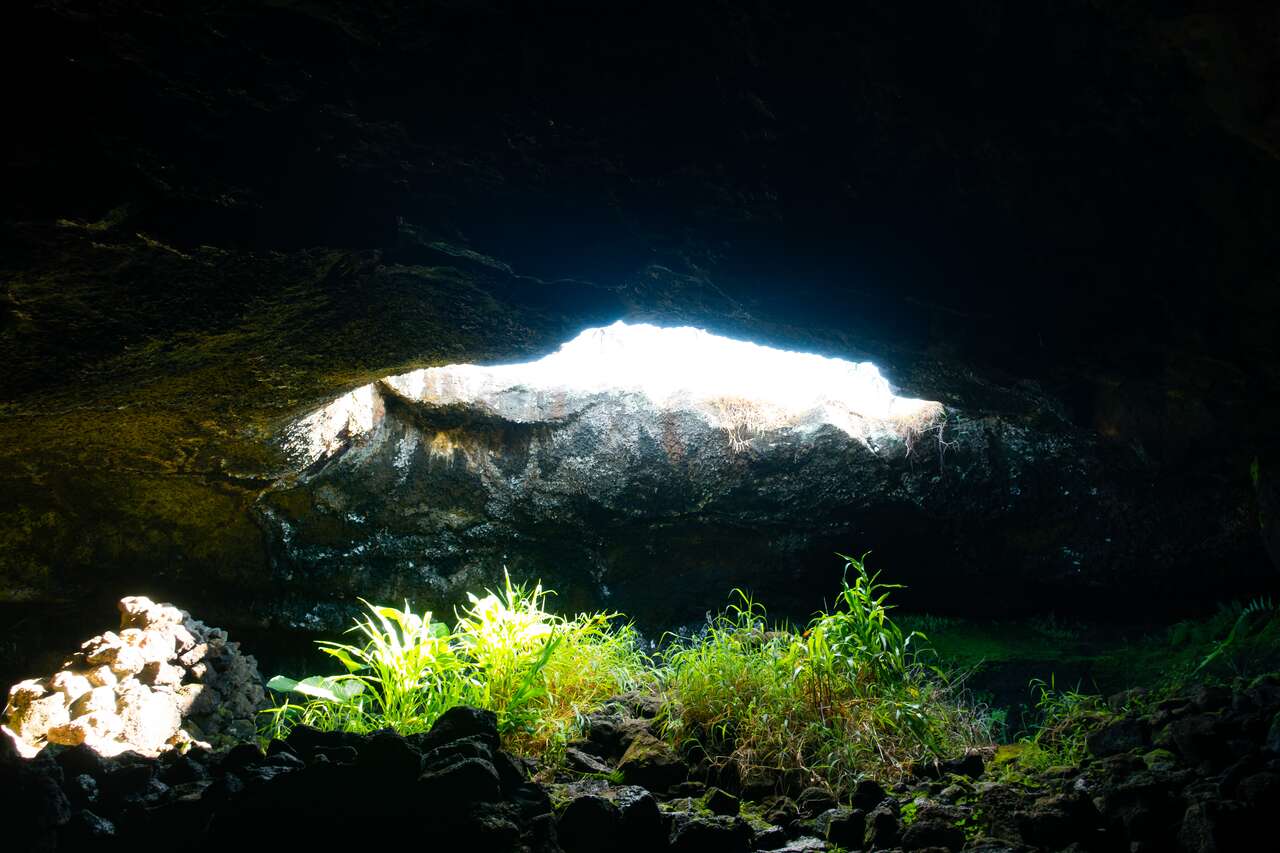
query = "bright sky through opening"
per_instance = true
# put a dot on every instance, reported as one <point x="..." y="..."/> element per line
<point x="675" y="368"/>
<point x="679" y="366"/>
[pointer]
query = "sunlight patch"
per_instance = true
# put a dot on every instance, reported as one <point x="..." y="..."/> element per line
<point x="744" y="388"/>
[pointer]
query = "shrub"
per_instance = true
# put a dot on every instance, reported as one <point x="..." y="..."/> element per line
<point x="1066" y="718"/>
<point x="845" y="698"/>
<point x="537" y="671"/>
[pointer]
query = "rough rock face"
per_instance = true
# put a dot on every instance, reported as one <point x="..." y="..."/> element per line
<point x="659" y="510"/>
<point x="165" y="679"/>
<point x="1029" y="212"/>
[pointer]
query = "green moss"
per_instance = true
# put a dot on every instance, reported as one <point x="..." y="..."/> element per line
<point x="143" y="385"/>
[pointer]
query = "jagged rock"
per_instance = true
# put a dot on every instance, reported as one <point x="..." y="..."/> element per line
<point x="1121" y="736"/>
<point x="932" y="833"/>
<point x="583" y="762"/>
<point x="586" y="822"/>
<point x="721" y="802"/>
<point x="651" y="763"/>
<point x="883" y="828"/>
<point x="695" y="833"/>
<point x="814" y="801"/>
<point x="847" y="828"/>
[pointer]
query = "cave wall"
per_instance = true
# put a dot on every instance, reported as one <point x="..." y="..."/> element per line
<point x="1052" y="217"/>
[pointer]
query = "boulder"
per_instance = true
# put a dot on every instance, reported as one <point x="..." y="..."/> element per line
<point x="588" y="823"/>
<point x="651" y="763"/>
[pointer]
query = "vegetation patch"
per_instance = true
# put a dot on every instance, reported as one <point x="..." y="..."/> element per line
<point x="845" y="698"/>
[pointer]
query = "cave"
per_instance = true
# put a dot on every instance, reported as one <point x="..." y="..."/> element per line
<point x="648" y="426"/>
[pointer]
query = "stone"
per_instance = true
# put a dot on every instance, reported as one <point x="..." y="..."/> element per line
<point x="470" y="780"/>
<point x="32" y="719"/>
<point x="641" y="817"/>
<point x="1160" y="759"/>
<point x="582" y="762"/>
<point x="98" y="700"/>
<point x="695" y="833"/>
<point x="932" y="834"/>
<point x="867" y="794"/>
<point x="651" y="763"/>
<point x="1272" y="742"/>
<point x="883" y="828"/>
<point x="73" y="685"/>
<point x="721" y="802"/>
<point x="1123" y="735"/>
<point x="1199" y="740"/>
<point x="127" y="660"/>
<point x="87" y="828"/>
<point x="391" y="758"/>
<point x="588" y="822"/>
<point x="460" y="721"/>
<point x="149" y="719"/>
<point x="847" y="828"/>
<point x="814" y="801"/>
<point x="102" y="676"/>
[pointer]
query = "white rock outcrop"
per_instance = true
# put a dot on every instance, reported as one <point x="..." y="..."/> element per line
<point x="162" y="680"/>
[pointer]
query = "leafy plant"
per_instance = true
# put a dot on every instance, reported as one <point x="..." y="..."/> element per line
<point x="1066" y="719"/>
<point x="1238" y="628"/>
<point x="843" y="698"/>
<point x="537" y="671"/>
<point x="404" y="675"/>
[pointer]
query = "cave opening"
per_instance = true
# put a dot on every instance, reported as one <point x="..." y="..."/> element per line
<point x="678" y="427"/>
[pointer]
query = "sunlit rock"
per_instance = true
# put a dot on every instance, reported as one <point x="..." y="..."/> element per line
<point x="137" y="689"/>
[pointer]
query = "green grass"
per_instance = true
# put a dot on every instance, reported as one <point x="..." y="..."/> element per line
<point x="1066" y="718"/>
<point x="845" y="698"/>
<point x="539" y="672"/>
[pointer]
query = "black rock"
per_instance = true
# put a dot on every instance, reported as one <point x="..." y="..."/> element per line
<point x="587" y="823"/>
<point x="970" y="764"/>
<point x="1200" y="740"/>
<point x="642" y="825"/>
<point x="469" y="780"/>
<point x="847" y="828"/>
<point x="1120" y="736"/>
<point x="285" y="759"/>
<point x="183" y="769"/>
<point x="82" y="790"/>
<point x="584" y="762"/>
<point x="129" y="780"/>
<point x="80" y="759"/>
<point x="460" y="721"/>
<point x="814" y="801"/>
<point x="390" y="758"/>
<point x="692" y="833"/>
<point x="722" y="802"/>
<point x="867" y="794"/>
<point x="240" y="756"/>
<point x="932" y="834"/>
<point x="336" y="754"/>
<point x="86" y="828"/>
<point x="883" y="829"/>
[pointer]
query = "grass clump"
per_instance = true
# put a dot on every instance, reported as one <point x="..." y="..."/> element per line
<point x="1066" y="718"/>
<point x="539" y="672"/>
<point x="845" y="698"/>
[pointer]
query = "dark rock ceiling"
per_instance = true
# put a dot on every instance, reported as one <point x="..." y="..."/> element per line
<point x="219" y="214"/>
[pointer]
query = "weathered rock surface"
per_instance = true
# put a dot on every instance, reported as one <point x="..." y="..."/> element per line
<point x="165" y="680"/>
<point x="466" y="790"/>
<point x="196" y="254"/>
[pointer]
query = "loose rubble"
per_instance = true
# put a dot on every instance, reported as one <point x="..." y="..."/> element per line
<point x="163" y="680"/>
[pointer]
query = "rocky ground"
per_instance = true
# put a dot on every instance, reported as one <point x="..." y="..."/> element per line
<point x="1199" y="773"/>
